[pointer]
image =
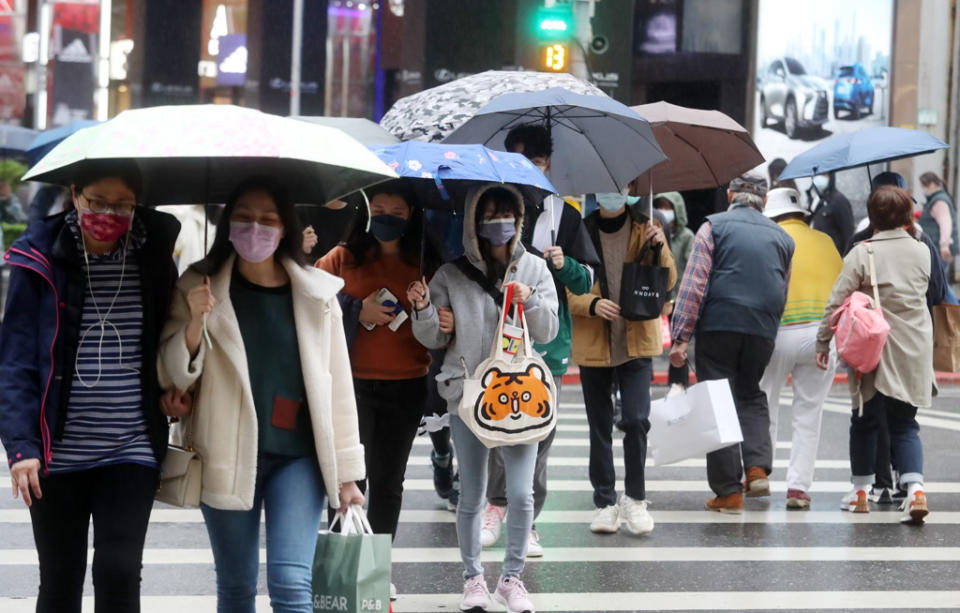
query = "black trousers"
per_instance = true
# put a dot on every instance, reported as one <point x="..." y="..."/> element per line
<point x="119" y="498"/>
<point x="634" y="380"/>
<point x="740" y="358"/>
<point x="389" y="414"/>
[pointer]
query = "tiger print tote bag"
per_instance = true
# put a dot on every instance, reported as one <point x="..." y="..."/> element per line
<point x="511" y="398"/>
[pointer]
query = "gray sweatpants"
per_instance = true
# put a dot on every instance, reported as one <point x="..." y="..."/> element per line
<point x="496" y="475"/>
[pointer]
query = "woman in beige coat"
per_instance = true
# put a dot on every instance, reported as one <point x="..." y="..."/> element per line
<point x="904" y="378"/>
<point x="274" y="419"/>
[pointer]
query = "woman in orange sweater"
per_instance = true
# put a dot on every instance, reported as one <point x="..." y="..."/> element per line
<point x="389" y="365"/>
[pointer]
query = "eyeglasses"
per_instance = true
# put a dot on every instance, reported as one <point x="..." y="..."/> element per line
<point x="97" y="205"/>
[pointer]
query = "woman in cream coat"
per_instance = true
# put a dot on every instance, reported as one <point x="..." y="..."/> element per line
<point x="274" y="417"/>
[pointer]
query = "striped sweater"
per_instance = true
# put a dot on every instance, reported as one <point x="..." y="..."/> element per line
<point x="816" y="266"/>
<point x="105" y="422"/>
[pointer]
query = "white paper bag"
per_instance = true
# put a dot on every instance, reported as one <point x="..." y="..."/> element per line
<point x="693" y="424"/>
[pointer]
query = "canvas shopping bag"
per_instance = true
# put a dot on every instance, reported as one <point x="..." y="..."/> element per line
<point x="511" y="398"/>
<point x="946" y="338"/>
<point x="693" y="424"/>
<point x="351" y="569"/>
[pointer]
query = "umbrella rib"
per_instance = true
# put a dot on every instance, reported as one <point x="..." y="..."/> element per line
<point x="716" y="179"/>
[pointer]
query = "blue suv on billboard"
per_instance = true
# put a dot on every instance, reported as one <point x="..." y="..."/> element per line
<point x="853" y="91"/>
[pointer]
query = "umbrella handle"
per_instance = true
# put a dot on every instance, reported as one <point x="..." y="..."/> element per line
<point x="206" y="334"/>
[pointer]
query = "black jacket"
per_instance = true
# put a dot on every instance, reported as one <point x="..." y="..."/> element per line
<point x="834" y="217"/>
<point x="42" y="326"/>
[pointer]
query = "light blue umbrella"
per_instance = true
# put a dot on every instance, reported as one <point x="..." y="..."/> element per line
<point x="599" y="144"/>
<point x="441" y="174"/>
<point x="14" y="140"/>
<point x="861" y="148"/>
<point x="48" y="139"/>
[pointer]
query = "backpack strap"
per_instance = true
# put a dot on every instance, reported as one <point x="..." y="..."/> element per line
<point x="473" y="273"/>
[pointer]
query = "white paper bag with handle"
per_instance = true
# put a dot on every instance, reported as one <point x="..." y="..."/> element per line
<point x="693" y="424"/>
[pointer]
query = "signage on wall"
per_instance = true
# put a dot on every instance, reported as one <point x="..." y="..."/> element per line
<point x="232" y="60"/>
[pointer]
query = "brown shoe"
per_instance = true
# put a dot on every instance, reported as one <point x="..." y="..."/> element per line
<point x="731" y="503"/>
<point x="757" y="482"/>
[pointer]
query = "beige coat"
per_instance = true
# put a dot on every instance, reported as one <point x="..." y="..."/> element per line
<point x="903" y="272"/>
<point x="225" y="420"/>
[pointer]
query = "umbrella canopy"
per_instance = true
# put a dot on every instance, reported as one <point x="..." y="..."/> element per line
<point x="867" y="146"/>
<point x="48" y="139"/>
<point x="436" y="170"/>
<point x="704" y="148"/>
<point x="434" y="113"/>
<point x="599" y="144"/>
<point x="14" y="140"/>
<point x="198" y="153"/>
<point x="360" y="128"/>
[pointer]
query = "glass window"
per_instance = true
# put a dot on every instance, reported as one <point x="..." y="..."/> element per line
<point x="712" y="26"/>
<point x="845" y="71"/>
<point x="795" y="67"/>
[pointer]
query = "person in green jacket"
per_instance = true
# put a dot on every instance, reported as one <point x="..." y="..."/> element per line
<point x="673" y="207"/>
<point x="556" y="232"/>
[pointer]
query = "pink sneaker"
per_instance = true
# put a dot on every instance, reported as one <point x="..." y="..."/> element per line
<point x="798" y="499"/>
<point x="513" y="595"/>
<point x="476" y="596"/>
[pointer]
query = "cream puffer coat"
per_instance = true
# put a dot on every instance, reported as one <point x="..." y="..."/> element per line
<point x="224" y="421"/>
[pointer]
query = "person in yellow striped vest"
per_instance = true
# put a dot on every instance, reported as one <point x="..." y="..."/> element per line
<point x="816" y="266"/>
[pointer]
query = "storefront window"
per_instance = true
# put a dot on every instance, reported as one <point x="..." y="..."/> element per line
<point x="223" y="51"/>
<point x="351" y="58"/>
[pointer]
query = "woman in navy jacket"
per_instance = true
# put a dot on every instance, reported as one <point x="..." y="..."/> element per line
<point x="80" y="406"/>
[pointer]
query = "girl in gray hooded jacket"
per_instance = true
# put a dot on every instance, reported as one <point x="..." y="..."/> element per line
<point x="456" y="312"/>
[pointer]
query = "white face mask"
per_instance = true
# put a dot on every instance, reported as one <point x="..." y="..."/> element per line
<point x="821" y="182"/>
<point x="611" y="202"/>
<point x="668" y="214"/>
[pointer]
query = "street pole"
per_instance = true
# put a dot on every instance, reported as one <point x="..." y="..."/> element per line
<point x="103" y="63"/>
<point x="295" y="54"/>
<point x="43" y="50"/>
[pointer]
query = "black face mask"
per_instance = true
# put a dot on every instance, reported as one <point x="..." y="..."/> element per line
<point x="387" y="228"/>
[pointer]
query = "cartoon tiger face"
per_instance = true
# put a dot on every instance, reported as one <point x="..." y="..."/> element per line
<point x="514" y="396"/>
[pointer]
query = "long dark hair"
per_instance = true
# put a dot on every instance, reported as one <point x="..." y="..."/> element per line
<point x="291" y="244"/>
<point x="504" y="201"/>
<point x="363" y="246"/>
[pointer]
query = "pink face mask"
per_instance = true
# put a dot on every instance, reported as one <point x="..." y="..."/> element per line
<point x="104" y="227"/>
<point x="254" y="242"/>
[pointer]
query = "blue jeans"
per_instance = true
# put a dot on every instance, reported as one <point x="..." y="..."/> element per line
<point x="904" y="440"/>
<point x="520" y="461"/>
<point x="950" y="298"/>
<point x="291" y="492"/>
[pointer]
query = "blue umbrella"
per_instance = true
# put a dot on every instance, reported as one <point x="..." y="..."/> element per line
<point x="861" y="148"/>
<point x="599" y="144"/>
<point x="47" y="140"/>
<point x="441" y="174"/>
<point x="14" y="140"/>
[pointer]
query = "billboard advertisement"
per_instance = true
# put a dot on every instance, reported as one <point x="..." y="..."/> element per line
<point x="823" y="68"/>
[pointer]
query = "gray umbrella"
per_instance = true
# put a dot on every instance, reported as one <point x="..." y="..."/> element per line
<point x="599" y="144"/>
<point x="360" y="128"/>
<point x="434" y="113"/>
<point x="15" y="140"/>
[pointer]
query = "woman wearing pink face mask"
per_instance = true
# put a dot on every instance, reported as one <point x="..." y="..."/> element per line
<point x="274" y="417"/>
<point x="80" y="413"/>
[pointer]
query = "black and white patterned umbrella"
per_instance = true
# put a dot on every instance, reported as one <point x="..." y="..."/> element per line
<point x="435" y="113"/>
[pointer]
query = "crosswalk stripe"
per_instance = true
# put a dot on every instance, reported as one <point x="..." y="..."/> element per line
<point x="412" y="516"/>
<point x="582" y="462"/>
<point x="424" y="441"/>
<point x="588" y="601"/>
<point x="451" y="555"/>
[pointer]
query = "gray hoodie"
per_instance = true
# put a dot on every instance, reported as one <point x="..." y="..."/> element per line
<point x="475" y="313"/>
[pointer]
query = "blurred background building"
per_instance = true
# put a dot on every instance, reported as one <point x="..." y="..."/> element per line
<point x="71" y="59"/>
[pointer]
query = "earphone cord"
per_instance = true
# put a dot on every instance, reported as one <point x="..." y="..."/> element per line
<point x="102" y="321"/>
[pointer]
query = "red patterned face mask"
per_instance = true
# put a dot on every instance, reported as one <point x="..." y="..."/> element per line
<point x="105" y="227"/>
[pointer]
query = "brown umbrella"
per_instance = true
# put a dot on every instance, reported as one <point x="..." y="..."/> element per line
<point x="704" y="148"/>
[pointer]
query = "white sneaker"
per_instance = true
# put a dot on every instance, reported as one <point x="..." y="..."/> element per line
<point x="476" y="596"/>
<point x="856" y="502"/>
<point x="393" y="592"/>
<point x="492" y="525"/>
<point x="606" y="521"/>
<point x="634" y="513"/>
<point x="915" y="510"/>
<point x="512" y="594"/>
<point x="534" y="548"/>
<point x="675" y="390"/>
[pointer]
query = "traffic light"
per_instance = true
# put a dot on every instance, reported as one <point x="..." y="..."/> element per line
<point x="555" y="57"/>
<point x="553" y="27"/>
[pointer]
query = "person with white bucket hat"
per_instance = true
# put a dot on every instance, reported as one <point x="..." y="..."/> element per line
<point x="816" y="266"/>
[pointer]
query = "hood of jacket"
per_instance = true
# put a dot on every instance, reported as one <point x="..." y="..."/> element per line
<point x="679" y="208"/>
<point x="471" y="244"/>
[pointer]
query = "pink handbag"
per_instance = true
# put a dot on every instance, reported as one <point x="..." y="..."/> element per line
<point x="860" y="328"/>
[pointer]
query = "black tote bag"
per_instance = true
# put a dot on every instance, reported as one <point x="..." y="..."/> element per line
<point x="643" y="288"/>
